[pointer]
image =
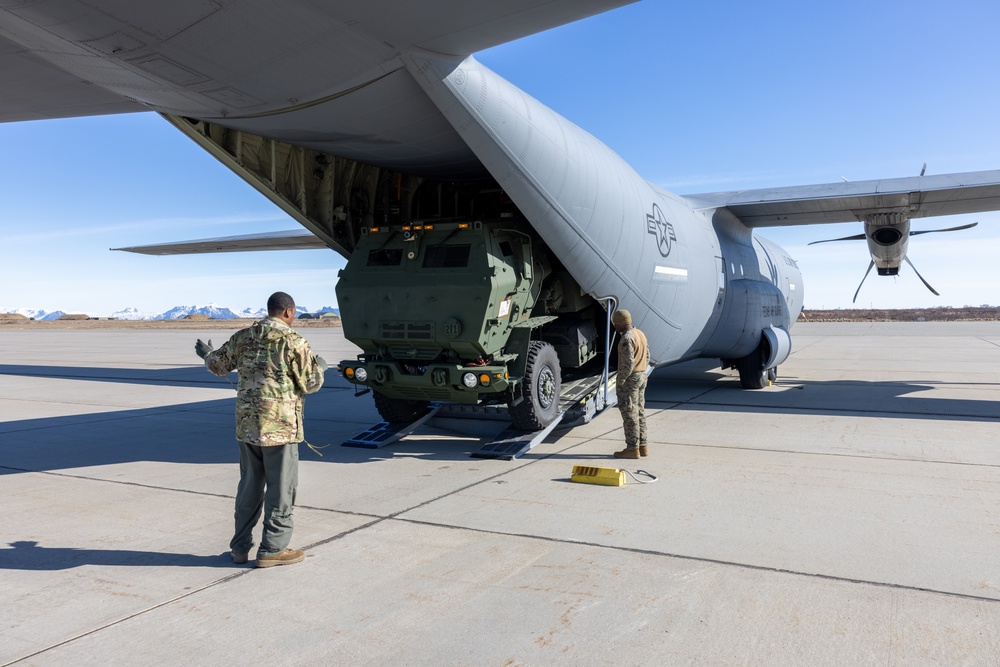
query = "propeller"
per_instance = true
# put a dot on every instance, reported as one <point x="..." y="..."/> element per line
<point x="856" y="237"/>
<point x="870" y="265"/>
<point x="926" y="284"/>
<point x="896" y="240"/>
<point x="949" y="229"/>
<point x="861" y="237"/>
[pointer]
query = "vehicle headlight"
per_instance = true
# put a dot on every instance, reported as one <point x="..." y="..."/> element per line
<point x="470" y="380"/>
<point x="361" y="374"/>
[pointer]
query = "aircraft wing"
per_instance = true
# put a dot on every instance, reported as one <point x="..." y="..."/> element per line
<point x="64" y="59"/>
<point x="918" y="196"/>
<point x="295" y="239"/>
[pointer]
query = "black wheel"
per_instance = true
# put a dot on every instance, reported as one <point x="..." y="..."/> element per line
<point x="753" y="375"/>
<point x="397" y="410"/>
<point x="541" y="387"/>
<point x="772" y="375"/>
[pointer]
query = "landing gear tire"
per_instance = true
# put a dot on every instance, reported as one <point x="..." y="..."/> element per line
<point x="753" y="375"/>
<point x="541" y="387"/>
<point x="398" y="410"/>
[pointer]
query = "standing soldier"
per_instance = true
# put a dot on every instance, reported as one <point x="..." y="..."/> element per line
<point x="633" y="358"/>
<point x="276" y="369"/>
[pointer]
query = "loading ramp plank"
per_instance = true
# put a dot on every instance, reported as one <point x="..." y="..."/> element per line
<point x="386" y="433"/>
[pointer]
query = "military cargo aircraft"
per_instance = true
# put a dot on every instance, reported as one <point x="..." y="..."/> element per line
<point x="488" y="238"/>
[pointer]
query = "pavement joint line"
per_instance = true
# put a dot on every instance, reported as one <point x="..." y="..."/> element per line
<point x="345" y="533"/>
<point x="867" y="457"/>
<point x="176" y="490"/>
<point x="186" y="594"/>
<point x="397" y="517"/>
<point x="988" y="342"/>
<point x="116" y="481"/>
<point x="848" y="411"/>
<point x="770" y="450"/>
<point x="702" y="559"/>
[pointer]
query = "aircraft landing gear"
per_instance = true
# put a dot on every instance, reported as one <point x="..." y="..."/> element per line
<point x="753" y="375"/>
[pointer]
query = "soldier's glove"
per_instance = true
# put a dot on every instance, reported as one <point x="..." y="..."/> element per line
<point x="321" y="362"/>
<point x="203" y="349"/>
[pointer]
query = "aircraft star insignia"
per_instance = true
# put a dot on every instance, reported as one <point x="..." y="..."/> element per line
<point x="664" y="231"/>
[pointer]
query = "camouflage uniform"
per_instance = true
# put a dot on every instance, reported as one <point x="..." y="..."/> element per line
<point x="633" y="358"/>
<point x="276" y="369"/>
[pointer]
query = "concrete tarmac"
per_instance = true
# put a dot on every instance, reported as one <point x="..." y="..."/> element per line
<point x="848" y="515"/>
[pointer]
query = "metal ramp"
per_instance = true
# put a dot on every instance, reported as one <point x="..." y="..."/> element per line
<point x="581" y="400"/>
<point x="386" y="433"/>
<point x="512" y="442"/>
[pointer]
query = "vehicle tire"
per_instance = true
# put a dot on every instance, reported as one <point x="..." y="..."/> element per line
<point x="540" y="389"/>
<point x="753" y="375"/>
<point x="398" y="410"/>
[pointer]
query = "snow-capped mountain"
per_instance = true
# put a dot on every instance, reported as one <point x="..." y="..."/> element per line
<point x="253" y="314"/>
<point x="215" y="311"/>
<point x="34" y="313"/>
<point x="212" y="310"/>
<point x="133" y="314"/>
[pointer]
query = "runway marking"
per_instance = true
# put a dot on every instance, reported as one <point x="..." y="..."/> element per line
<point x="714" y="561"/>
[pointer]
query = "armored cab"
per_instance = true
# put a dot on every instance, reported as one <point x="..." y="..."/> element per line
<point x="464" y="311"/>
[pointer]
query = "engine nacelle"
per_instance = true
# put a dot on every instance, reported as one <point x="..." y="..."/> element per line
<point x="888" y="235"/>
<point x="779" y="345"/>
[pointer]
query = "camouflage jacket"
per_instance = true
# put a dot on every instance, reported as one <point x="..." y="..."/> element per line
<point x="276" y="369"/>
<point x="633" y="353"/>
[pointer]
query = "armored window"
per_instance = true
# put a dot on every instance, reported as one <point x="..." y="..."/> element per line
<point x="506" y="249"/>
<point x="446" y="256"/>
<point x="385" y="257"/>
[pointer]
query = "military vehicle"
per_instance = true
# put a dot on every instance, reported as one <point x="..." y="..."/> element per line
<point x="467" y="312"/>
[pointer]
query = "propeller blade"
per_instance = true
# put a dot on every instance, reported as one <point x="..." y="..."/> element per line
<point x="926" y="284"/>
<point x="856" y="237"/>
<point x="949" y="229"/>
<point x="923" y="169"/>
<point x="870" y="265"/>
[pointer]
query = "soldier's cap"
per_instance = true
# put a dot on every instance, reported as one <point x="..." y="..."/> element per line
<point x="621" y="317"/>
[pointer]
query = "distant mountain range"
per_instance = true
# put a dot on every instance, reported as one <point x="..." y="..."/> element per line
<point x="214" y="311"/>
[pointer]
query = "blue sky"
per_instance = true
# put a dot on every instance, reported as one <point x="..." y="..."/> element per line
<point x="697" y="98"/>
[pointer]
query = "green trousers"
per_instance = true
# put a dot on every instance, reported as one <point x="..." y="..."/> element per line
<point x="632" y="404"/>
<point x="268" y="479"/>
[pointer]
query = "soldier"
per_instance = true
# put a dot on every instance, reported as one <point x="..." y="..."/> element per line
<point x="276" y="369"/>
<point x="633" y="358"/>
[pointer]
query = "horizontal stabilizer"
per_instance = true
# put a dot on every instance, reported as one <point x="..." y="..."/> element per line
<point x="294" y="239"/>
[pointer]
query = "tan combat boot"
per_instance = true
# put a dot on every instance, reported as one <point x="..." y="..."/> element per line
<point x="643" y="451"/>
<point x="286" y="557"/>
<point x="628" y="453"/>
